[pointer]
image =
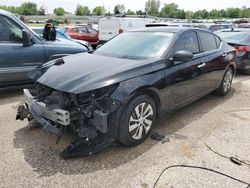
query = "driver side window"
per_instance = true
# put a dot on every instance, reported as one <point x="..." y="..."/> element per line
<point x="188" y="41"/>
<point x="10" y="31"/>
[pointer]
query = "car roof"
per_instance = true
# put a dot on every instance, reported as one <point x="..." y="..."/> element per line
<point x="4" y="12"/>
<point x="160" y="23"/>
<point x="167" y="29"/>
<point x="168" y="23"/>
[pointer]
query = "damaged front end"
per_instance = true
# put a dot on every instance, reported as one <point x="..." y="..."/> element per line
<point x="86" y="115"/>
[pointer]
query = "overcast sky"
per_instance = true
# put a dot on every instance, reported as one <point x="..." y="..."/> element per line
<point x="70" y="5"/>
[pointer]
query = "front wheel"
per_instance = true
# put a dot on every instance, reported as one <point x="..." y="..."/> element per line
<point x="137" y="120"/>
<point x="226" y="82"/>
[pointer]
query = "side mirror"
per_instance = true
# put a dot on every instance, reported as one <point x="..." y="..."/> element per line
<point x="26" y="39"/>
<point x="183" y="56"/>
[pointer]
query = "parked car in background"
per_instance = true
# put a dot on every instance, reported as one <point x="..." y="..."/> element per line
<point x="83" y="33"/>
<point x="22" y="50"/>
<point x="183" y="24"/>
<point x="216" y="27"/>
<point x="169" y="24"/>
<point x="120" y="89"/>
<point x="244" y="25"/>
<point x="159" y="24"/>
<point x="239" y="38"/>
<point x="178" y="24"/>
<point x="61" y="35"/>
<point x="202" y="26"/>
<point x="110" y="27"/>
<point x="240" y="21"/>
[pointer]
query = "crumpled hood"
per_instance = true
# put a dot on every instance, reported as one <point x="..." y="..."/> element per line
<point x="85" y="72"/>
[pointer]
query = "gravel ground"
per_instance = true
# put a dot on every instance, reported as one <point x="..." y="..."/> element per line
<point x="29" y="157"/>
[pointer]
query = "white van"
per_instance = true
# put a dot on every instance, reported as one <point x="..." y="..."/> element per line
<point x="110" y="27"/>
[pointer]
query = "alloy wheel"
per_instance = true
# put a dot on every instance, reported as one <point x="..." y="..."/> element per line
<point x="228" y="80"/>
<point x="140" y="120"/>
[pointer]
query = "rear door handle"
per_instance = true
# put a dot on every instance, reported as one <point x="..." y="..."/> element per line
<point x="201" y="65"/>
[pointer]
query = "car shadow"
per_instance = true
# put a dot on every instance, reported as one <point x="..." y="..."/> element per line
<point x="41" y="152"/>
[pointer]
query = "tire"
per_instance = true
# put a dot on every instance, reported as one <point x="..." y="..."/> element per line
<point x="135" y="127"/>
<point x="226" y="83"/>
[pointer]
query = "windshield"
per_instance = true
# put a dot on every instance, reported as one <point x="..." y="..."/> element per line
<point x="137" y="45"/>
<point x="38" y="30"/>
<point x="232" y="35"/>
<point x="61" y="29"/>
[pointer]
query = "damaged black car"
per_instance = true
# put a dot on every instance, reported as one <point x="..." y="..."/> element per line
<point x="116" y="93"/>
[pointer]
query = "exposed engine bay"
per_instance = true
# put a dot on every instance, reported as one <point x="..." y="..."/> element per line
<point x="85" y="115"/>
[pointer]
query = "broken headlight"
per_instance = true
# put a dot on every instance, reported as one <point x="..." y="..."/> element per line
<point x="97" y="94"/>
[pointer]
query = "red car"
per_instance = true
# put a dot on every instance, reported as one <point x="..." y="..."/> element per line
<point x="83" y="33"/>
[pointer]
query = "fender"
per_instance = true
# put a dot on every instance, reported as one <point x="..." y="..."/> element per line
<point x="153" y="82"/>
<point x="231" y="64"/>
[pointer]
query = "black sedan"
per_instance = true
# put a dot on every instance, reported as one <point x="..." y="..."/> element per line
<point x="117" y="92"/>
<point x="240" y="40"/>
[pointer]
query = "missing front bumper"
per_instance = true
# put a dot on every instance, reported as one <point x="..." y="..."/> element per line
<point x="24" y="112"/>
<point x="56" y="120"/>
<point x="37" y="108"/>
<point x="52" y="120"/>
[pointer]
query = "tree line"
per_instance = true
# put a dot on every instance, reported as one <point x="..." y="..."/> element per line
<point x="152" y="8"/>
<point x="171" y="10"/>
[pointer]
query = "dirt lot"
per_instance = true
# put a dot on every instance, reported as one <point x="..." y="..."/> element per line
<point x="30" y="158"/>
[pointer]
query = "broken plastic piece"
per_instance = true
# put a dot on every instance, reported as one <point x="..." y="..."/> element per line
<point x="22" y="112"/>
<point x="158" y="137"/>
<point x="81" y="147"/>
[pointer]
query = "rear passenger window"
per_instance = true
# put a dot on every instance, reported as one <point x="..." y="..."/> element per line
<point x="208" y="42"/>
<point x="218" y="41"/>
<point x="188" y="41"/>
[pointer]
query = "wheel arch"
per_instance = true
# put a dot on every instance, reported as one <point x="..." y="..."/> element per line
<point x="148" y="84"/>
<point x="233" y="68"/>
<point x="151" y="92"/>
<point x="138" y="97"/>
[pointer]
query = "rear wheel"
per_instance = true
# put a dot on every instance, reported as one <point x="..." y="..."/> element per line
<point x="137" y="121"/>
<point x="226" y="82"/>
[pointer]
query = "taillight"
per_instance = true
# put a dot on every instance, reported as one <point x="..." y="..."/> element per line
<point x="120" y="31"/>
<point x="242" y="48"/>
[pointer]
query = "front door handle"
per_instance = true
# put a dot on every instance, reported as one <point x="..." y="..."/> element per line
<point x="202" y="65"/>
